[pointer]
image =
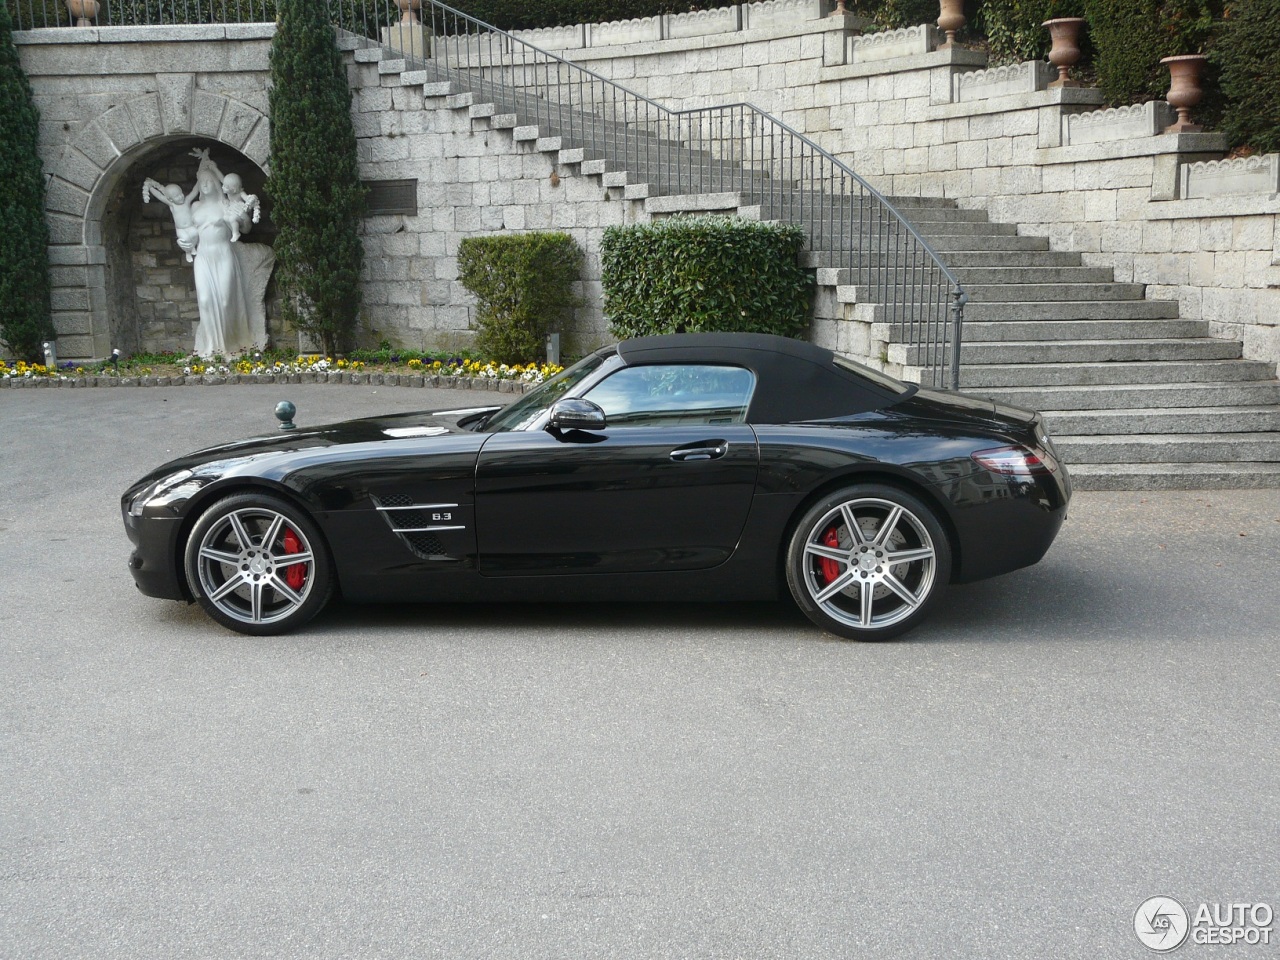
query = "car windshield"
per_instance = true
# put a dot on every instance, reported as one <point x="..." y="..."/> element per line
<point x="522" y="413"/>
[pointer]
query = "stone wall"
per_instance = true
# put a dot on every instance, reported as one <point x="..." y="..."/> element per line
<point x="1162" y="209"/>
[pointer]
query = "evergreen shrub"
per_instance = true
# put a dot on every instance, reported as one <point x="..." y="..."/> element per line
<point x="1014" y="27"/>
<point x="25" y="315"/>
<point x="314" y="181"/>
<point x="1131" y="37"/>
<point x="523" y="282"/>
<point x="704" y="274"/>
<point x="1248" y="56"/>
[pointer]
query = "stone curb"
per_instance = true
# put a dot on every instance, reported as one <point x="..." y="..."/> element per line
<point x="209" y="380"/>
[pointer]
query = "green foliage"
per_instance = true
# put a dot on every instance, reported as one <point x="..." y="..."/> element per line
<point x="25" y="319"/>
<point x="894" y="14"/>
<point x="1014" y="28"/>
<point x="314" y="180"/>
<point x="712" y="273"/>
<point x="1246" y="53"/>
<point x="1132" y="36"/>
<point x="523" y="284"/>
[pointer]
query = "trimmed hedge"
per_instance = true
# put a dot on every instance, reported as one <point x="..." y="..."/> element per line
<point x="1131" y="36"/>
<point x="523" y="284"/>
<point x="712" y="273"/>
<point x="1248" y="55"/>
<point x="25" y="316"/>
<point x="315" y="180"/>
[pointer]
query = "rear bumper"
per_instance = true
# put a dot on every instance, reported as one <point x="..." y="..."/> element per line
<point x="1006" y="523"/>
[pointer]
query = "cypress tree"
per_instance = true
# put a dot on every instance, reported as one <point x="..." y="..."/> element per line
<point x="314" y="180"/>
<point x="1247" y="53"/>
<point x="24" y="235"/>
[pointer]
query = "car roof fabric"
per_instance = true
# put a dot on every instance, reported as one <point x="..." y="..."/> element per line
<point x="795" y="380"/>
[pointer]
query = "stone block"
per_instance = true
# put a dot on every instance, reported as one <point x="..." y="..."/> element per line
<point x="1006" y="81"/>
<point x="238" y="122"/>
<point x="1119" y="123"/>
<point x="145" y="112"/>
<point x="177" y="95"/>
<point x="702" y="23"/>
<point x="571" y="37"/>
<point x="893" y="44"/>
<point x="119" y="126"/>
<point x="63" y="197"/>
<point x="781" y="14"/>
<point x="1241" y="176"/>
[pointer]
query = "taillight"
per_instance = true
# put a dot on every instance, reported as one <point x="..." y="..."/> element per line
<point x="1016" y="461"/>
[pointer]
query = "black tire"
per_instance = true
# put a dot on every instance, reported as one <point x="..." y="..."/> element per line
<point x="258" y="564"/>
<point x="851" y="537"/>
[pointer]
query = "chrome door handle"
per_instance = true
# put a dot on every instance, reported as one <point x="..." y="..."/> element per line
<point x="711" y="450"/>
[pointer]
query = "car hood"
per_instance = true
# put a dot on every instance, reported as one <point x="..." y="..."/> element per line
<point x="419" y="426"/>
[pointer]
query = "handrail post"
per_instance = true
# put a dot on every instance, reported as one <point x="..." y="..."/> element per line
<point x="958" y="299"/>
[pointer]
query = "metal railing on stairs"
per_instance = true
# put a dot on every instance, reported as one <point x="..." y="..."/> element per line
<point x="736" y="149"/>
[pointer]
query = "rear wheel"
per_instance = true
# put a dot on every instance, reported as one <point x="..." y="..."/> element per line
<point x="258" y="565"/>
<point x="868" y="562"/>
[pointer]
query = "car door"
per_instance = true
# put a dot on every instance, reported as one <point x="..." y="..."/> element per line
<point x="667" y="484"/>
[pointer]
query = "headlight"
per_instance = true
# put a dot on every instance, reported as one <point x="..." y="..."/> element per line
<point x="166" y="490"/>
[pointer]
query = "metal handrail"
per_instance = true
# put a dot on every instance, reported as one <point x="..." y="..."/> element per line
<point x="738" y="149"/>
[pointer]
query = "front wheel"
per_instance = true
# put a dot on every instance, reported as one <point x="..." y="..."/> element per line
<point x="258" y="565"/>
<point x="867" y="562"/>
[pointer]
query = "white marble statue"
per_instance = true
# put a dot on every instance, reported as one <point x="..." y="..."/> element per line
<point x="231" y="277"/>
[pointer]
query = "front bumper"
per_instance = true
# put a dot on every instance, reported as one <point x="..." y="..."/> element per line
<point x="154" y="561"/>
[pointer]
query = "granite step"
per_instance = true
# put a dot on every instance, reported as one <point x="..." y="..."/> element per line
<point x="1151" y="373"/>
<point x="1200" y="448"/>
<point x="1133" y="396"/>
<point x="1062" y="330"/>
<point x="1175" y="476"/>
<point x="1101" y="352"/>
<point x="1164" y="420"/>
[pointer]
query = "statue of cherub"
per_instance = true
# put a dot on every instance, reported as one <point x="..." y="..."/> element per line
<point x="240" y="206"/>
<point x="179" y="205"/>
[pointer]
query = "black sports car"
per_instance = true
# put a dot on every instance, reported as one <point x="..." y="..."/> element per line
<point x="701" y="466"/>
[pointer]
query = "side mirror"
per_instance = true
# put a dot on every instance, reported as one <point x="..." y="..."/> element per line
<point x="574" y="413"/>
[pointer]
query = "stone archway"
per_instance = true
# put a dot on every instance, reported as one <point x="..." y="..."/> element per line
<point x="96" y="215"/>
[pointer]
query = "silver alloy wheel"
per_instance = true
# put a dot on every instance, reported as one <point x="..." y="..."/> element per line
<point x="244" y="566"/>
<point x="880" y="570"/>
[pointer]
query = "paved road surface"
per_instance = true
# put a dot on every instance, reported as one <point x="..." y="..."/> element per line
<point x="1011" y="780"/>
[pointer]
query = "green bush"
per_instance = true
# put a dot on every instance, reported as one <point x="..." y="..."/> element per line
<point x="712" y="273"/>
<point x="1014" y="27"/>
<point x="523" y="284"/>
<point x="1246" y="54"/>
<point x="314" y="181"/>
<point x="1130" y="38"/>
<point x="25" y="319"/>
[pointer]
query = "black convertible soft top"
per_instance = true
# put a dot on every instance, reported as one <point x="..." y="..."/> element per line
<point x="795" y="380"/>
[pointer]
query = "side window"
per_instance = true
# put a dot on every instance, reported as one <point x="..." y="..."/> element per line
<point x="684" y="393"/>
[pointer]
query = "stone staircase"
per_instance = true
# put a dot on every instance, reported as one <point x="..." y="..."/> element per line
<point x="1134" y="396"/>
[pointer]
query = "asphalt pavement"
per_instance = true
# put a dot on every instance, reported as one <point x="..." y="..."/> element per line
<point x="1012" y="779"/>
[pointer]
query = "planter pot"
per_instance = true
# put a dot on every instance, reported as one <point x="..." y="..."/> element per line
<point x="1065" y="52"/>
<point x="82" y="11"/>
<point x="950" y="19"/>
<point x="409" y="11"/>
<point x="1184" y="90"/>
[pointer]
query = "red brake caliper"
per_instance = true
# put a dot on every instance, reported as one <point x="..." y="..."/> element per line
<point x="296" y="575"/>
<point x="830" y="568"/>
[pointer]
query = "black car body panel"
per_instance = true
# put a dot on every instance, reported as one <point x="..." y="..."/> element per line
<point x="436" y="506"/>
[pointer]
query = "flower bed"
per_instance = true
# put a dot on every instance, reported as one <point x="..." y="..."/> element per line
<point x="379" y="369"/>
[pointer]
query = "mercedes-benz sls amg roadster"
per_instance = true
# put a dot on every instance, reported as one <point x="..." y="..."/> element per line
<point x="685" y="467"/>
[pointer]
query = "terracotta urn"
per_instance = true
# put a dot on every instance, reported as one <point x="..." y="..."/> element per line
<point x="950" y="19"/>
<point x="82" y="11"/>
<point x="1184" y="89"/>
<point x="1065" y="52"/>
<point x="408" y="11"/>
